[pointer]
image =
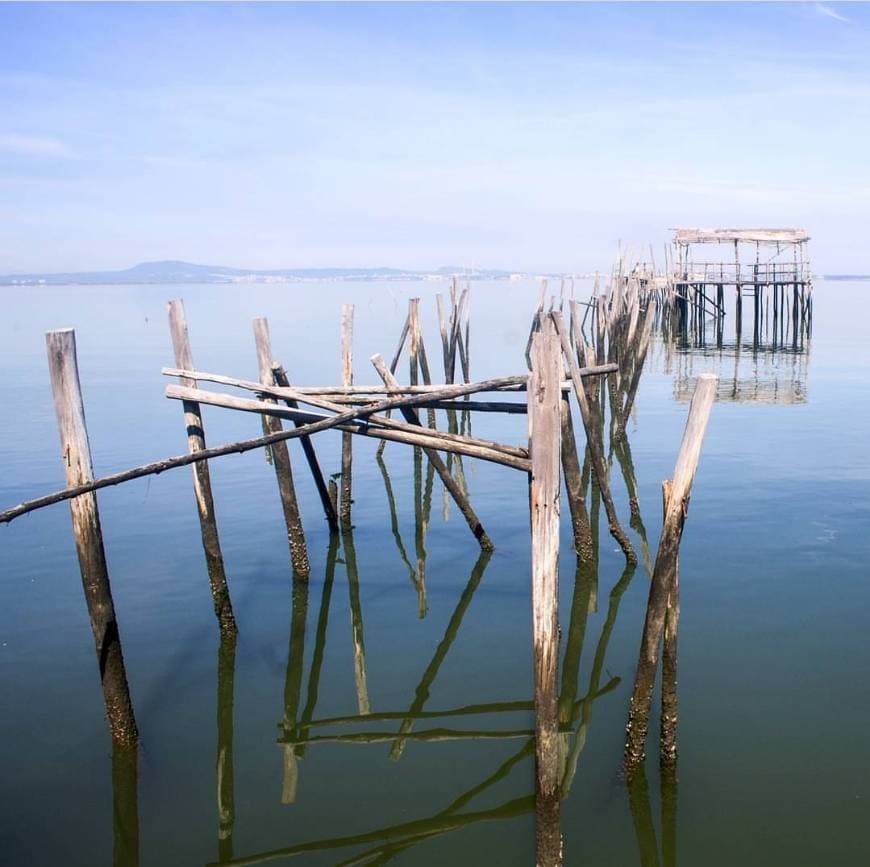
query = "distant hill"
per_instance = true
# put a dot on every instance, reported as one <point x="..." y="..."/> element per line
<point x="186" y="272"/>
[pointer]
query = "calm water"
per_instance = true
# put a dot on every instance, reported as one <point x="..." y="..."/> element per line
<point x="774" y="744"/>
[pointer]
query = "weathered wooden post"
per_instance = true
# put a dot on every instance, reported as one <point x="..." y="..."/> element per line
<point x="220" y="592"/>
<point x="346" y="438"/>
<point x="76" y="454"/>
<point x="544" y="408"/>
<point x="281" y="457"/>
<point x="665" y="569"/>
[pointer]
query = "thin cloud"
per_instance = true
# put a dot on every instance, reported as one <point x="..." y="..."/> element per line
<point x="829" y="12"/>
<point x="47" y="147"/>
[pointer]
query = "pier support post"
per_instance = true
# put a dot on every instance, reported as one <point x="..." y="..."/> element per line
<point x="544" y="402"/>
<point x="281" y="458"/>
<point x="664" y="574"/>
<point x="76" y="454"/>
<point x="201" y="479"/>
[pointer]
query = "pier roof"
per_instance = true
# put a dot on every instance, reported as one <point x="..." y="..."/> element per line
<point x="759" y="236"/>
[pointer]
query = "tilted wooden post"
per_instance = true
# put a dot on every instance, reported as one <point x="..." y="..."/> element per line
<point x="664" y="575"/>
<point x="217" y="577"/>
<point x="346" y="441"/>
<point x="76" y="455"/>
<point x="544" y="401"/>
<point x="281" y="458"/>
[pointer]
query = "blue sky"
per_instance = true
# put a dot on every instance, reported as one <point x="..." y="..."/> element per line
<point x="517" y="136"/>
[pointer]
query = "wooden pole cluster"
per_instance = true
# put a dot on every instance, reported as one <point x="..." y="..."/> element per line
<point x="363" y="410"/>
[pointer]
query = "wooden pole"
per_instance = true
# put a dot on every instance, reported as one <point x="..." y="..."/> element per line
<point x="217" y="577"/>
<point x="76" y="455"/>
<point x="447" y="480"/>
<point x="665" y="569"/>
<point x="281" y="458"/>
<point x="346" y="441"/>
<point x="592" y="440"/>
<point x="668" y="733"/>
<point x="280" y="377"/>
<point x="544" y="399"/>
<point x="574" y="484"/>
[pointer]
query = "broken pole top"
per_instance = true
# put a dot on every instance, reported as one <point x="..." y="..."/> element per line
<point x="754" y="236"/>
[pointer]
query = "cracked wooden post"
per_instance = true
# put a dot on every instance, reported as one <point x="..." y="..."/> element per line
<point x="544" y="401"/>
<point x="76" y="454"/>
<point x="201" y="479"/>
<point x="665" y="570"/>
<point x="281" y="457"/>
<point x="346" y="440"/>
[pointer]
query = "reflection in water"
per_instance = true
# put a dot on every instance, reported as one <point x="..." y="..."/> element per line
<point x="293" y="686"/>
<point x="767" y="364"/>
<point x="359" y="650"/>
<point x="304" y="731"/>
<point x="225" y="782"/>
<point x="421" y="695"/>
<point x="125" y="806"/>
<point x="319" y="639"/>
<point x="642" y="818"/>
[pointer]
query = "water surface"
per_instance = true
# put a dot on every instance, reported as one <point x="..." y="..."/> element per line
<point x="774" y="750"/>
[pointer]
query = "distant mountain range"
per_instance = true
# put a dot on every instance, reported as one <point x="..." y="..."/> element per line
<point x="187" y="272"/>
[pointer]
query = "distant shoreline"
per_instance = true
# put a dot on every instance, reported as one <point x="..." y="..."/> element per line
<point x="173" y="272"/>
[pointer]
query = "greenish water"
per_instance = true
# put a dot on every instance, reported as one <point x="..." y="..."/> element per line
<point x="774" y="749"/>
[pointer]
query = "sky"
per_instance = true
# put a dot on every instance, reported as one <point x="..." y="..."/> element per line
<point x="517" y="136"/>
